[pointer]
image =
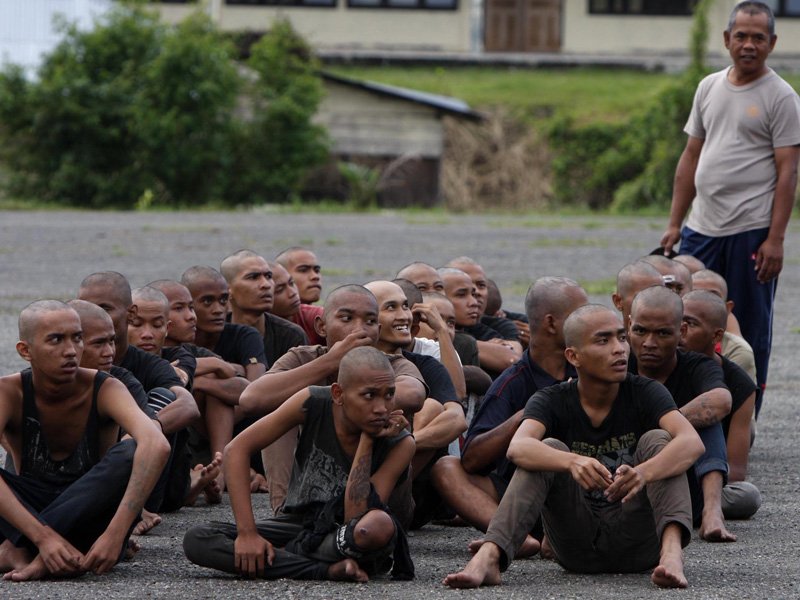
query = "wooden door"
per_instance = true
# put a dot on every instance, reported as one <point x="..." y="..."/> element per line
<point x="522" y="25"/>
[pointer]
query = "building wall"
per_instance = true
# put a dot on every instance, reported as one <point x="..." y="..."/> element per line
<point x="651" y="35"/>
<point x="350" y="28"/>
<point x="361" y="123"/>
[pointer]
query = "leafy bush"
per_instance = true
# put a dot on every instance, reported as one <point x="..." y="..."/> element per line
<point x="135" y="112"/>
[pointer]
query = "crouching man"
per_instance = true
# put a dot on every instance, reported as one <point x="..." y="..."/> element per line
<point x="352" y="451"/>
<point x="78" y="493"/>
<point x="609" y="480"/>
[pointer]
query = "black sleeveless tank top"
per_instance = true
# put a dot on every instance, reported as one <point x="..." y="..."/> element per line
<point x="36" y="460"/>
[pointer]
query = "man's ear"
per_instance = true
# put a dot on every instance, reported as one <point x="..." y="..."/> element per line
<point x="617" y="300"/>
<point x="337" y="393"/>
<point x="726" y="36"/>
<point x="319" y="326"/>
<point x="551" y="324"/>
<point x="572" y="356"/>
<point x="718" y="334"/>
<point x="684" y="329"/>
<point x="24" y="350"/>
<point x="131" y="313"/>
<point x="729" y="305"/>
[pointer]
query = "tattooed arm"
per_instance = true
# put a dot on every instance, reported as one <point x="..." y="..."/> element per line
<point x="708" y="408"/>
<point x="357" y="491"/>
<point x="115" y="403"/>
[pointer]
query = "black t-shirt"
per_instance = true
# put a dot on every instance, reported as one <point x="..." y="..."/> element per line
<point x="467" y="349"/>
<point x="280" y="336"/>
<point x="321" y="467"/>
<point x="740" y="386"/>
<point x="639" y="406"/>
<point x="435" y="375"/>
<point x="505" y="327"/>
<point x="134" y="388"/>
<point x="241" y="345"/>
<point x="694" y="374"/>
<point x="482" y="332"/>
<point x="151" y="371"/>
<point x="198" y="351"/>
<point x="186" y="361"/>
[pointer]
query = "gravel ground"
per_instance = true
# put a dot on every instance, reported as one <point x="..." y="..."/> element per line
<point x="46" y="254"/>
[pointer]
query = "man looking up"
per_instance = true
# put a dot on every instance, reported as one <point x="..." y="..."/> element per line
<point x="304" y="268"/>
<point x="422" y="275"/>
<point x="603" y="460"/>
<point x="83" y="491"/>
<point x="697" y="385"/>
<point x="738" y="173"/>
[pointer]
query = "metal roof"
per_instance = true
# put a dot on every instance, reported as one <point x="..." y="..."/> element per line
<point x="445" y="104"/>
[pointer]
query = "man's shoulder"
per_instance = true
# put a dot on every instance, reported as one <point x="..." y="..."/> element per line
<point x="297" y="356"/>
<point x="283" y="327"/>
<point x="237" y="331"/>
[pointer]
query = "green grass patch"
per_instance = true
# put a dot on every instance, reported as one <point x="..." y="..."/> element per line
<point x="599" y="287"/>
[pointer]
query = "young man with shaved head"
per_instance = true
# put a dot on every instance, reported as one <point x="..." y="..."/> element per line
<point x="603" y="460"/>
<point x="82" y="489"/>
<point x="287" y="305"/>
<point x="632" y="279"/>
<point x="474" y="485"/>
<point x="676" y="275"/>
<point x="496" y="354"/>
<point x="349" y="320"/>
<point x="697" y="385"/>
<point x="353" y="450"/>
<point x="705" y="316"/>
<point x="304" y="268"/>
<point x="422" y="275"/>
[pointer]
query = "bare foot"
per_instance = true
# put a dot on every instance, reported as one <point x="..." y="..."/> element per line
<point x="34" y="570"/>
<point x="213" y="491"/>
<point x="200" y="477"/>
<point x="132" y="549"/>
<point x="713" y="528"/>
<point x="669" y="573"/>
<point x="347" y="570"/>
<point x="258" y="484"/>
<point x="546" y="550"/>
<point x="482" y="569"/>
<point x="149" y="520"/>
<point x="13" y="558"/>
<point x="530" y="547"/>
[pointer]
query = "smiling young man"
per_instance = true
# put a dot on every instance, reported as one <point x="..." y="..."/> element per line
<point x="82" y="490"/>
<point x="602" y="459"/>
<point x="352" y="452"/>
<point x="738" y="173"/>
<point x="697" y="385"/>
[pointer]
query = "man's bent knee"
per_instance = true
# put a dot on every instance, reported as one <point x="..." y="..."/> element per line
<point x="650" y="444"/>
<point x="373" y="531"/>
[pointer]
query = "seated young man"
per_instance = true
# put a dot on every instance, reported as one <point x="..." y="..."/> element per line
<point x="304" y="268"/>
<point x="676" y="275"/>
<point x="733" y="346"/>
<point x="350" y="320"/>
<point x="353" y="450"/>
<point x="632" y="279"/>
<point x="697" y="385"/>
<point x="251" y="287"/>
<point x="78" y="491"/>
<point x="705" y="315"/>
<point x="474" y="485"/>
<point x="603" y="460"/>
<point x="422" y="275"/>
<point x="494" y="308"/>
<point x="495" y="354"/>
<point x="692" y="263"/>
<point x="287" y="305"/>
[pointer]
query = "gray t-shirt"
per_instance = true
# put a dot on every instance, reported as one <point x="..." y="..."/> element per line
<point x="741" y="126"/>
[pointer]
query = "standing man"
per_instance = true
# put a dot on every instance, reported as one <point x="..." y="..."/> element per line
<point x="739" y="172"/>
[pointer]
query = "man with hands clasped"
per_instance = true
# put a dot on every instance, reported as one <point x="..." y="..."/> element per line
<point x="603" y="460"/>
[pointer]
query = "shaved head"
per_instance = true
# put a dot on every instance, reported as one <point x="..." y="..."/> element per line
<point x="548" y="295"/>
<point x="29" y="317"/>
<point x="89" y="311"/>
<point x="690" y="262"/>
<point x="113" y="285"/>
<point x="711" y="281"/>
<point x="169" y="287"/>
<point x="460" y="261"/>
<point x="285" y="257"/>
<point x="713" y="307"/>
<point x="150" y="294"/>
<point x="659" y="298"/>
<point x="193" y="275"/>
<point x="579" y="322"/>
<point x="413" y="295"/>
<point x="636" y="276"/>
<point x="232" y="264"/>
<point x="337" y="295"/>
<point x="356" y="364"/>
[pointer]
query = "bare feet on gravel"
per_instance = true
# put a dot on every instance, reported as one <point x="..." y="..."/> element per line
<point x="482" y="569"/>
<point x="13" y="558"/>
<point x="258" y="484"/>
<point x="200" y="478"/>
<point x="530" y="547"/>
<point x="347" y="570"/>
<point x="669" y="572"/>
<point x="713" y="528"/>
<point x="132" y="549"/>
<point x="34" y="570"/>
<point x="149" y="520"/>
<point x="546" y="552"/>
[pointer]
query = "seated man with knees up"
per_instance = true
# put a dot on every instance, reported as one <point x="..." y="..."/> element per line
<point x="705" y="315"/>
<point x="286" y="304"/>
<point x="697" y="385"/>
<point x="474" y="485"/>
<point x="82" y="489"/>
<point x="353" y="450"/>
<point x="632" y="279"/>
<point x="603" y="460"/>
<point x="350" y="320"/>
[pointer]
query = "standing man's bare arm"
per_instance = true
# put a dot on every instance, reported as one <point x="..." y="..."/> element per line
<point x="683" y="192"/>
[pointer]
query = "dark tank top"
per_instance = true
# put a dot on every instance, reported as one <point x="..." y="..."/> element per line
<point x="36" y="460"/>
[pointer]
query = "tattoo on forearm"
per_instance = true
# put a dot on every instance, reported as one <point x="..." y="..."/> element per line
<point x="359" y="479"/>
<point x="702" y="414"/>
